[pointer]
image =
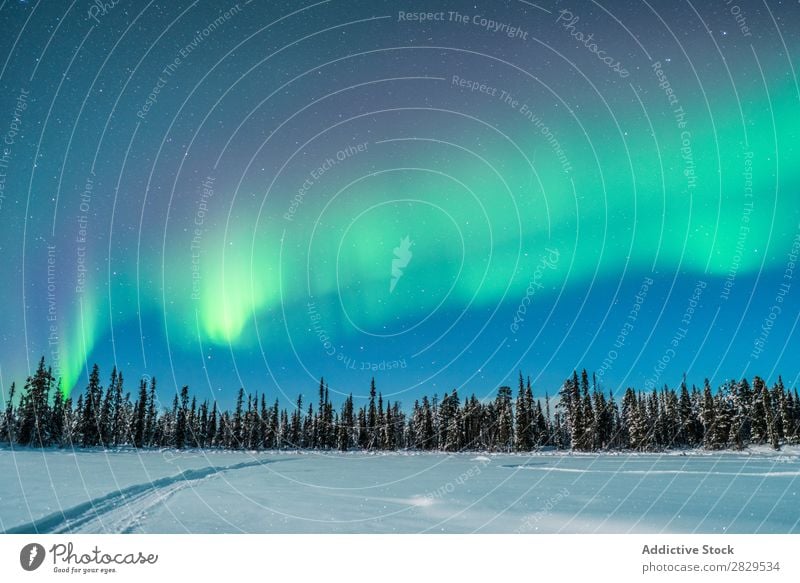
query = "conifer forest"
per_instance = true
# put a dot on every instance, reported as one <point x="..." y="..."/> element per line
<point x="578" y="417"/>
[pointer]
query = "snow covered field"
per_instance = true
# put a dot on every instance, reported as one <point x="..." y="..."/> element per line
<point x="212" y="492"/>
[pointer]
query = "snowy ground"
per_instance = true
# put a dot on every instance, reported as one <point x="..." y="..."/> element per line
<point x="211" y="492"/>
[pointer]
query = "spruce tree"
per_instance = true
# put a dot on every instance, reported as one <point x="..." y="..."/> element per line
<point x="723" y="420"/>
<point x="455" y="431"/>
<point x="772" y="435"/>
<point x="505" y="419"/>
<point x="424" y="429"/>
<point x="787" y="408"/>
<point x="140" y="416"/>
<point x="152" y="413"/>
<point x="707" y="414"/>
<point x="10" y="418"/>
<point x="671" y="421"/>
<point x="758" y="413"/>
<point x="686" y="434"/>
<point x="57" y="418"/>
<point x="296" y="423"/>
<point x="372" y="414"/>
<point x="181" y="416"/>
<point x="70" y="424"/>
<point x="586" y="439"/>
<point x="347" y="422"/>
<point x="107" y="410"/>
<point x="549" y="437"/>
<point x="636" y="432"/>
<point x="35" y="414"/>
<point x="523" y="440"/>
<point x="120" y="416"/>
<point x="77" y="434"/>
<point x="540" y="424"/>
<point x="238" y="420"/>
<point x="573" y="404"/>
<point x="211" y="432"/>
<point x="738" y="418"/>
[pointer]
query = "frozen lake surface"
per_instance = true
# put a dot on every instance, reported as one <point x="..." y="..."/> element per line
<point x="308" y="492"/>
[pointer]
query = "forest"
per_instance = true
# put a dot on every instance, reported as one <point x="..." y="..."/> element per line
<point x="579" y="417"/>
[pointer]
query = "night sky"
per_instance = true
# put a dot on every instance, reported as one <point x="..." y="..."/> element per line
<point x="437" y="194"/>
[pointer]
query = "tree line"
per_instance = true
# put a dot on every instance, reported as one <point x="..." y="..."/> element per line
<point x="581" y="418"/>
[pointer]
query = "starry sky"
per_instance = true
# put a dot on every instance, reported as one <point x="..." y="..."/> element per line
<point x="437" y="194"/>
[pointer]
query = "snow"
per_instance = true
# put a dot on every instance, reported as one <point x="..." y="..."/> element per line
<point x="324" y="492"/>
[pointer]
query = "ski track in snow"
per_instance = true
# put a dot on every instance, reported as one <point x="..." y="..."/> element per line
<point x="649" y="472"/>
<point x="123" y="510"/>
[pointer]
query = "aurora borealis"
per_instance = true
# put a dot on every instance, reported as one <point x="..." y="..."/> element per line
<point x="259" y="194"/>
